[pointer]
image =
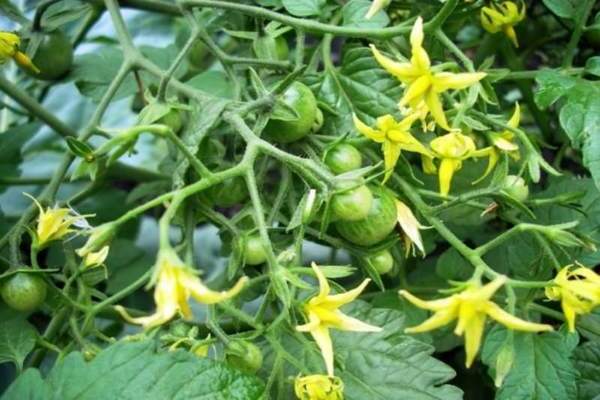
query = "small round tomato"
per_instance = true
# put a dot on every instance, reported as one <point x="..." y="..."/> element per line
<point x="24" y="291"/>
<point x="378" y="224"/>
<point x="173" y="119"/>
<point x="352" y="205"/>
<point x="245" y="356"/>
<point x="302" y="100"/>
<point x="343" y="158"/>
<point x="516" y="187"/>
<point x="198" y="55"/>
<point x="382" y="261"/>
<point x="229" y="193"/>
<point x="53" y="57"/>
<point x="254" y="251"/>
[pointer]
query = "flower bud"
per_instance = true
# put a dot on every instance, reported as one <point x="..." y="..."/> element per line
<point x="98" y="239"/>
<point x="516" y="187"/>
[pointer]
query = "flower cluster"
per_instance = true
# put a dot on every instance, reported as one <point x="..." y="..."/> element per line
<point x="9" y="48"/>
<point x="502" y="18"/>
<point x="421" y="101"/>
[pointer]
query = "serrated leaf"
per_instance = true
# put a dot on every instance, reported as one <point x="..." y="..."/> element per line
<point x="134" y="370"/>
<point x="541" y="368"/>
<point x="587" y="360"/>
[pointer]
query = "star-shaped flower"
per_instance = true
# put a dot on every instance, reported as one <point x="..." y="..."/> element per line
<point x="503" y="17"/>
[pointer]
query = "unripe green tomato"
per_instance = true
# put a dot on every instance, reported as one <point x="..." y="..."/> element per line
<point x="269" y="48"/>
<point x="244" y="356"/>
<point x="516" y="187"/>
<point x="229" y="193"/>
<point x="378" y="224"/>
<point x="24" y="291"/>
<point x="254" y="251"/>
<point x="352" y="205"/>
<point x="173" y="119"/>
<point x="343" y="158"/>
<point x="299" y="97"/>
<point x="198" y="56"/>
<point x="593" y="35"/>
<point x="53" y="57"/>
<point x="382" y="261"/>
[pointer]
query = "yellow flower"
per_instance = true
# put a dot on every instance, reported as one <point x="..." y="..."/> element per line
<point x="577" y="289"/>
<point x="502" y="142"/>
<point x="376" y="6"/>
<point x="323" y="314"/>
<point x="452" y="149"/>
<point x="394" y="137"/>
<point x="470" y="307"/>
<point x="410" y="226"/>
<point x="319" y="387"/>
<point x="424" y="85"/>
<point x="175" y="283"/>
<point x="9" y="48"/>
<point x="503" y="17"/>
<point x="94" y="259"/>
<point x="53" y="223"/>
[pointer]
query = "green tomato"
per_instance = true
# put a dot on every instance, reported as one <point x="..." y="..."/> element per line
<point x="173" y="119"/>
<point x="254" y="251"/>
<point x="352" y="205"/>
<point x="244" y="356"/>
<point x="53" y="57"/>
<point x="378" y="224"/>
<point x="229" y="193"/>
<point x="24" y="291"/>
<point x="382" y="261"/>
<point x="516" y="187"/>
<point x="269" y="48"/>
<point x="199" y="53"/>
<point x="343" y="158"/>
<point x="299" y="97"/>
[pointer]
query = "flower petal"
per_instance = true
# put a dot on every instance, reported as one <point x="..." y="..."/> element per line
<point x="321" y="336"/>
<point x="437" y="320"/>
<point x="391" y="153"/>
<point x="431" y="305"/>
<point x="473" y="334"/>
<point x="409" y="224"/>
<point x="443" y="81"/>
<point x="347" y="323"/>
<point x="404" y="72"/>
<point x="434" y="105"/>
<point x="338" y="300"/>
<point x="324" y="288"/>
<point x="206" y="296"/>
<point x="446" y="171"/>
<point x="415" y="90"/>
<point x="513" y="122"/>
<point x="512" y="322"/>
<point x="369" y="132"/>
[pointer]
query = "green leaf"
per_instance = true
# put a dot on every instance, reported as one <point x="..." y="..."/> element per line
<point x="354" y="12"/>
<point x="359" y="86"/>
<point x="303" y="8"/>
<point x="592" y="65"/>
<point x="551" y="86"/>
<point x="213" y="82"/>
<point x="381" y="365"/>
<point x="63" y="12"/>
<point x="562" y="8"/>
<point x="587" y="360"/>
<point x="17" y="338"/>
<point x="451" y="266"/>
<point x="541" y="368"/>
<point x="136" y="370"/>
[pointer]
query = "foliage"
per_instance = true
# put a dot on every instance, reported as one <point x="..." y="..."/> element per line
<point x="320" y="199"/>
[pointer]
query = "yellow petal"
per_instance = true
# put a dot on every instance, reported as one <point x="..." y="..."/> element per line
<point x="376" y="6"/>
<point x="313" y="323"/>
<point x="9" y="45"/>
<point x="324" y="288"/>
<point x="437" y="320"/>
<point x="487" y="291"/>
<point x="404" y="72"/>
<point x="434" y="104"/>
<point x="493" y="155"/>
<point x="391" y="153"/>
<point x="428" y="165"/>
<point x="420" y="60"/>
<point x="321" y="336"/>
<point x="570" y="315"/>
<point x="473" y="335"/>
<point x="512" y="322"/>
<point x="491" y="20"/>
<point x="447" y="168"/>
<point x="369" y="132"/>
<point x="416" y="34"/>
<point x="415" y="90"/>
<point x="409" y="224"/>
<point x="408" y="142"/>
<point x="443" y="81"/>
<point x="346" y="323"/>
<point x="96" y="258"/>
<point x="24" y="62"/>
<point x="206" y="296"/>
<point x="431" y="305"/>
<point x="338" y="300"/>
<point x="512" y="35"/>
<point x="386" y="123"/>
<point x="513" y="122"/>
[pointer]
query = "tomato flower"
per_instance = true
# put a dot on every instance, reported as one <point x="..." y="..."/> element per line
<point x="394" y="137"/>
<point x="452" y="149"/>
<point x="424" y="86"/>
<point x="323" y="314"/>
<point x="470" y="307"/>
<point x="410" y="226"/>
<point x="175" y="283"/>
<point x="578" y="290"/>
<point x="54" y="223"/>
<point x="319" y="387"/>
<point x="503" y="17"/>
<point x="9" y="48"/>
<point x="376" y="6"/>
<point x="95" y="258"/>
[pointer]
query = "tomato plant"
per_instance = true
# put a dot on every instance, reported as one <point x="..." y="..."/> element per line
<point x="315" y="199"/>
